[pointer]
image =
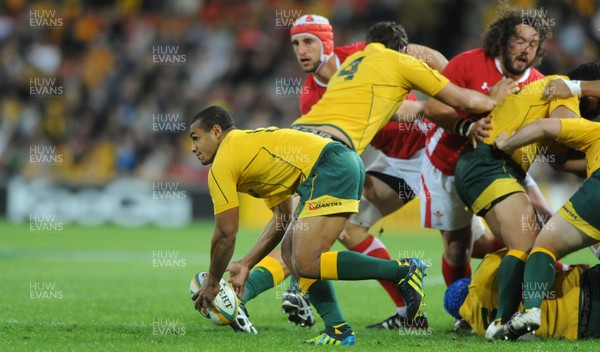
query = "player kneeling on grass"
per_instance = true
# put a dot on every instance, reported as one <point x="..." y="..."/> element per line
<point x="571" y="309"/>
<point x="274" y="164"/>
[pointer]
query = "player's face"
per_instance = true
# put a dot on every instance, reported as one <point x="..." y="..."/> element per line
<point x="204" y="144"/>
<point x="521" y="50"/>
<point x="308" y="52"/>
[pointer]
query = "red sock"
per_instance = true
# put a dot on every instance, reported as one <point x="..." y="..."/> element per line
<point x="454" y="273"/>
<point x="373" y="247"/>
<point x="497" y="245"/>
<point x="562" y="267"/>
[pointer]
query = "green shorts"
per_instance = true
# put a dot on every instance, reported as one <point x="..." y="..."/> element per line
<point x="484" y="175"/>
<point x="334" y="185"/>
<point x="582" y="210"/>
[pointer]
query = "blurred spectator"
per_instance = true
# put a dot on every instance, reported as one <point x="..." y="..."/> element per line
<point x="105" y="88"/>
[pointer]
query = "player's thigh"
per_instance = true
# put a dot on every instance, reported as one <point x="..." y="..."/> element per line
<point x="381" y="194"/>
<point x="513" y="221"/>
<point x="328" y="196"/>
<point x="561" y="237"/>
<point x="312" y="237"/>
<point x="286" y="248"/>
<point x="441" y="207"/>
<point x="580" y="214"/>
<point x="393" y="182"/>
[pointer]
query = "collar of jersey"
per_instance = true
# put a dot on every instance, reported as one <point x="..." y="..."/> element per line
<point x="522" y="79"/>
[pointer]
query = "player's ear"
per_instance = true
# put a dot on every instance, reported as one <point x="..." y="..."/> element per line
<point x="217" y="131"/>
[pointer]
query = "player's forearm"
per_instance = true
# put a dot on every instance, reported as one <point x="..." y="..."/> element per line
<point x="409" y="111"/>
<point x="526" y="135"/>
<point x="267" y="241"/>
<point x="221" y="251"/>
<point x="271" y="234"/>
<point x="441" y="114"/>
<point x="477" y="103"/>
<point x="463" y="99"/>
<point x="431" y="57"/>
<point x="590" y="88"/>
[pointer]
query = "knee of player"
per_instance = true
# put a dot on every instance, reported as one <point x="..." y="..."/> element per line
<point x="287" y="259"/>
<point x="306" y="267"/>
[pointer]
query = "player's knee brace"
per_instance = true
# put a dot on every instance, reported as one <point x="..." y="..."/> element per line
<point x="368" y="214"/>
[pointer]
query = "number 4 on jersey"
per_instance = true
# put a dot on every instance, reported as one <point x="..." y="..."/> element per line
<point x="350" y="70"/>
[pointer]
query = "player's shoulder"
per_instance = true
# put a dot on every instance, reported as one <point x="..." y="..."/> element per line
<point x="471" y="62"/>
<point x="234" y="141"/>
<point x="342" y="52"/>
<point x="534" y="84"/>
<point x="551" y="77"/>
<point x="378" y="49"/>
<point x="534" y="74"/>
<point x="473" y="55"/>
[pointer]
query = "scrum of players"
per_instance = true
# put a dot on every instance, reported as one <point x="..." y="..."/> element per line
<point x="489" y="115"/>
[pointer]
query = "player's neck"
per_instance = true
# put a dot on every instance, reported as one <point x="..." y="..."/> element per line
<point x="327" y="71"/>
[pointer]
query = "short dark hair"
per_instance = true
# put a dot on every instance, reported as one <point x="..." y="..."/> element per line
<point x="497" y="36"/>
<point x="589" y="71"/>
<point x="390" y="34"/>
<point x="214" y="115"/>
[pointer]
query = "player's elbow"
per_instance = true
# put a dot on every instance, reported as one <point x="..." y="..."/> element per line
<point x="228" y="230"/>
<point x="542" y="129"/>
<point x="429" y="110"/>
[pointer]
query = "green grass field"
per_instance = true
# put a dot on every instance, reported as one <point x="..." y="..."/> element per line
<point x="109" y="288"/>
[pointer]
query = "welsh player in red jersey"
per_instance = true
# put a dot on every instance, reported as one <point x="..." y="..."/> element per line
<point x="390" y="179"/>
<point x="511" y="46"/>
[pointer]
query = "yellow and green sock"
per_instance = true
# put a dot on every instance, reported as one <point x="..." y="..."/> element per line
<point x="265" y="275"/>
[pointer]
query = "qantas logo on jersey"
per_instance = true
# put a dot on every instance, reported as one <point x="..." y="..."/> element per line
<point x="571" y="214"/>
<point x="324" y="205"/>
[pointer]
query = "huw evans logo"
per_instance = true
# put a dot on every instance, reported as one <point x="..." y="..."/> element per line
<point x="44" y="19"/>
<point x="324" y="205"/>
<point x="167" y="55"/>
<point x="44" y="87"/>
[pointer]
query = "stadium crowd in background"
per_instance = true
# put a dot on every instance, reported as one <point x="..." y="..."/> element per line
<point x="108" y="83"/>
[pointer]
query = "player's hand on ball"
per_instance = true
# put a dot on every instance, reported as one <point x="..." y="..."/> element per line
<point x="238" y="275"/>
<point x="205" y="297"/>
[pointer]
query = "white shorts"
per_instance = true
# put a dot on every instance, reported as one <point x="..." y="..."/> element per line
<point x="408" y="170"/>
<point x="404" y="176"/>
<point x="441" y="208"/>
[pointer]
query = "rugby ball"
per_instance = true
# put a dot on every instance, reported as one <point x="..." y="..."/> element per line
<point x="226" y="300"/>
